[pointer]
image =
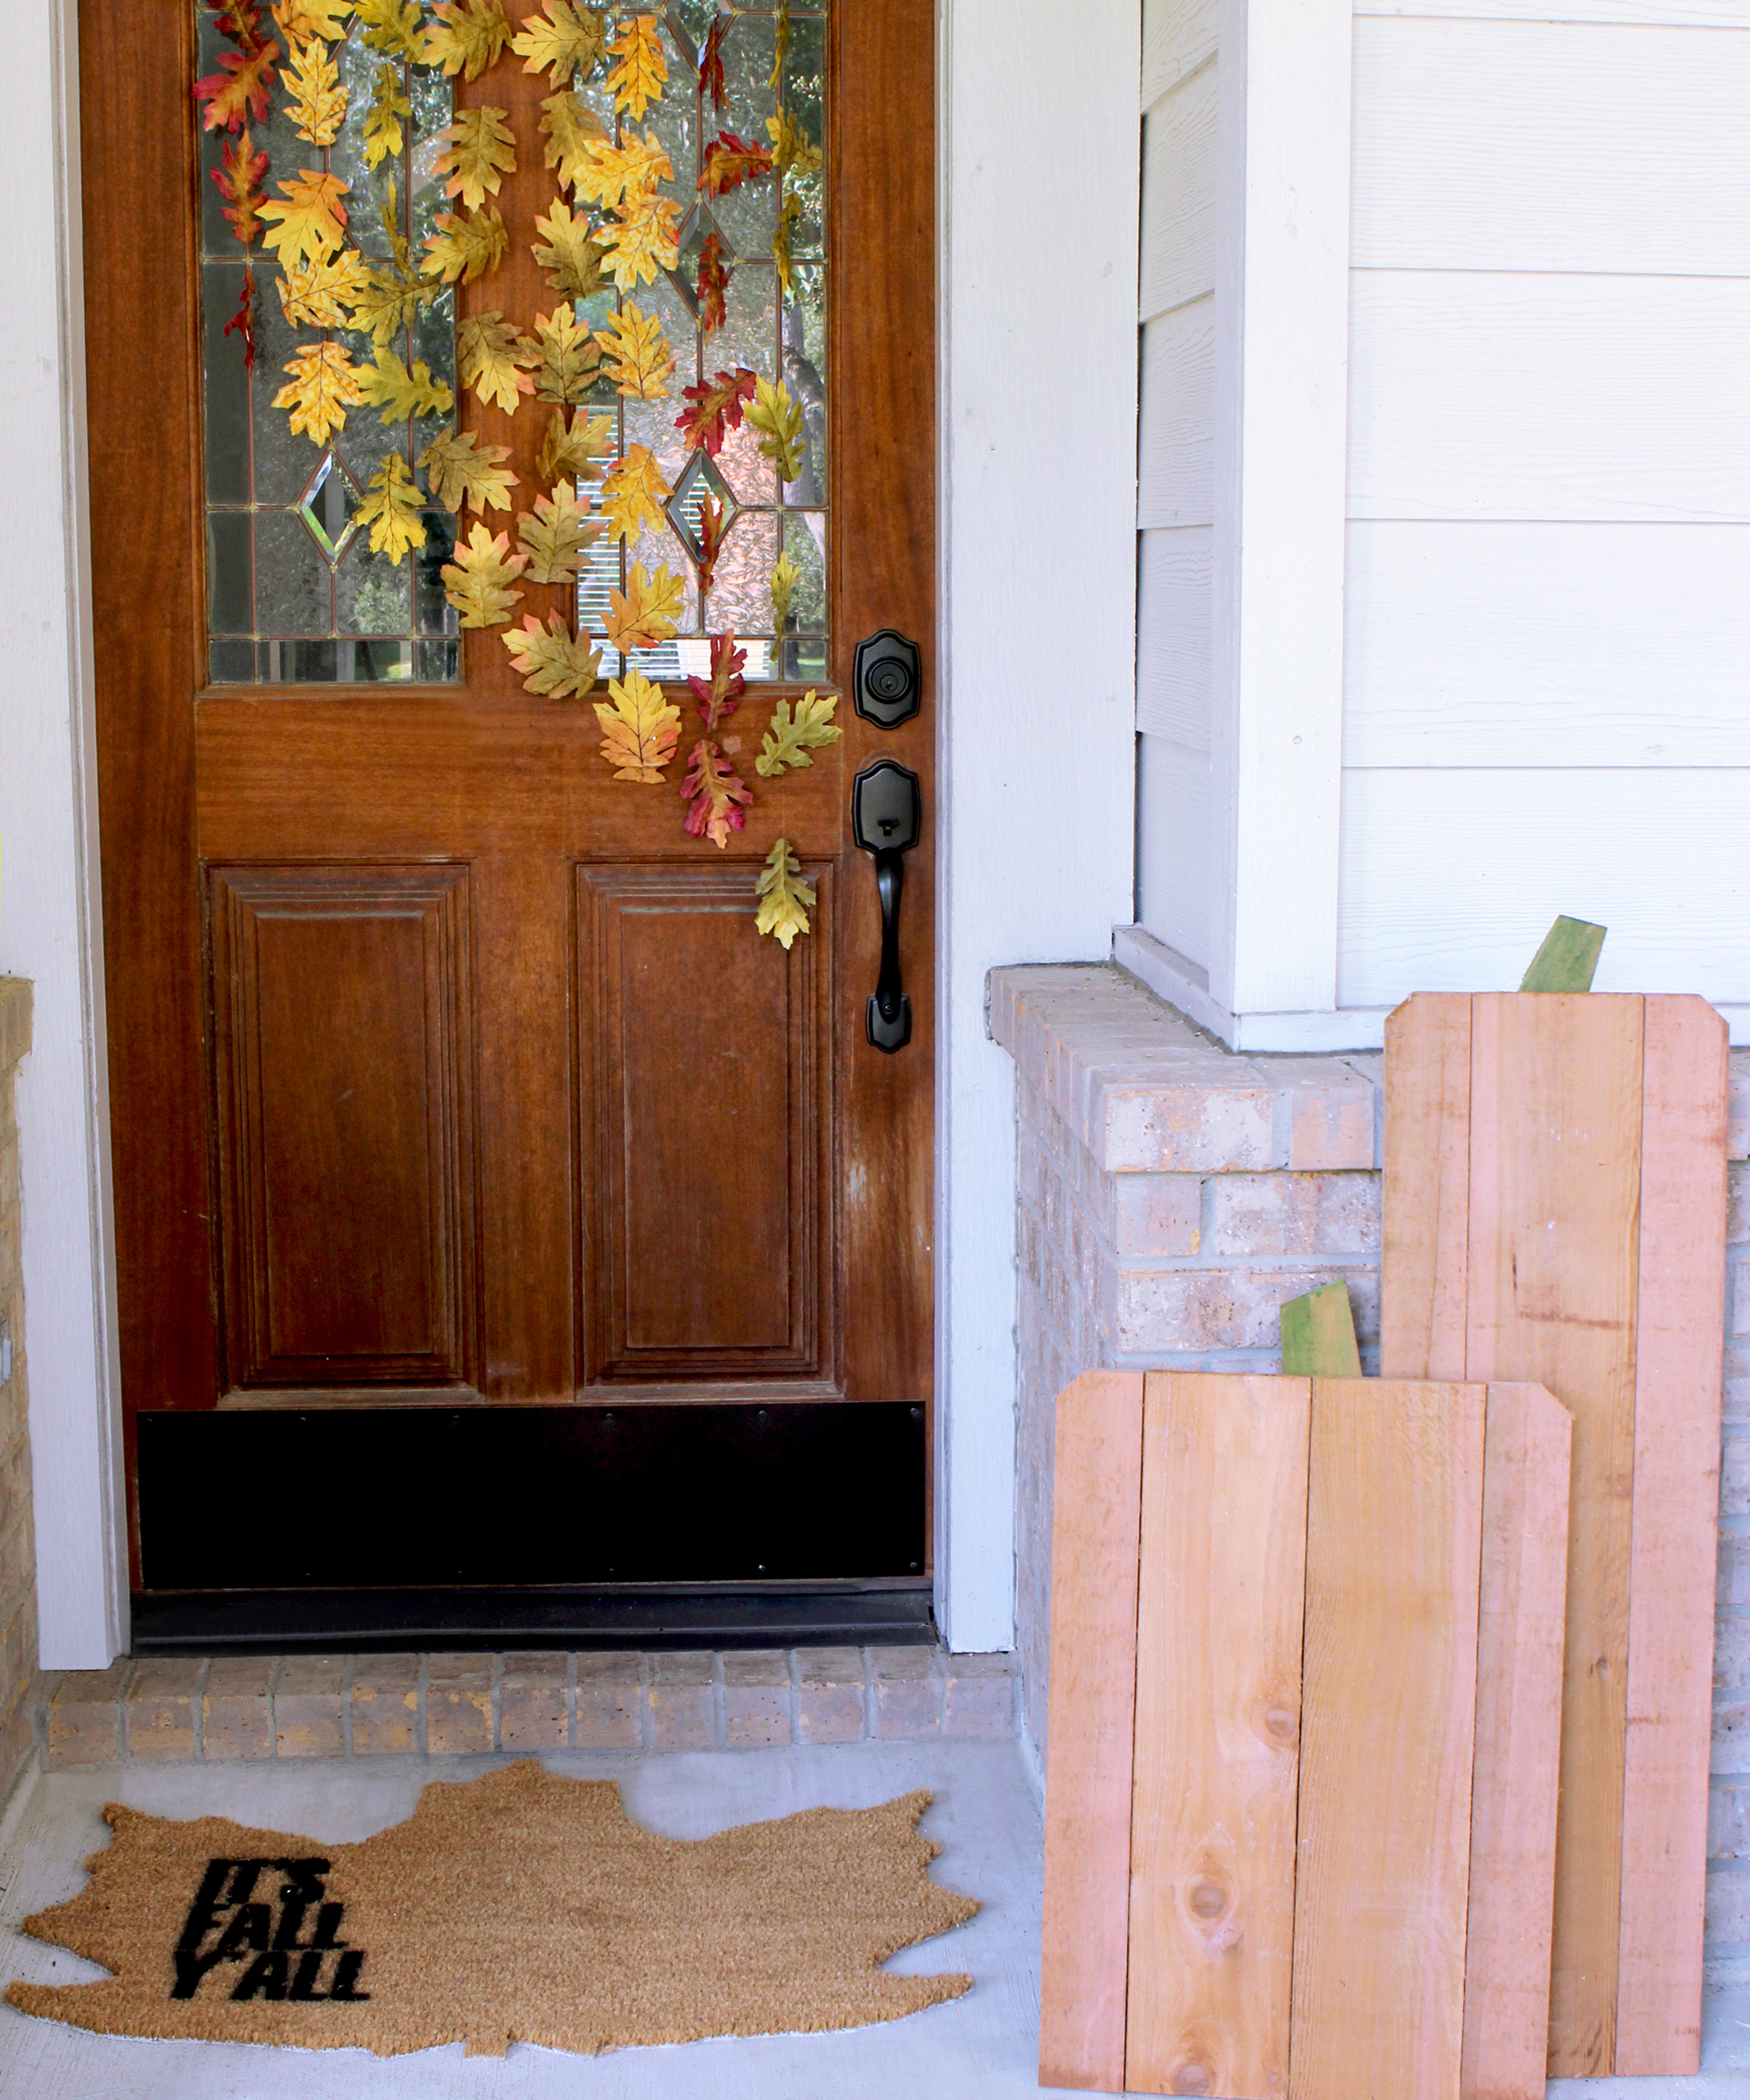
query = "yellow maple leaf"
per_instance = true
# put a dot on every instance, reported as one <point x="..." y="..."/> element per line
<point x="389" y="386"/>
<point x="576" y="454"/>
<point x="324" y="386"/>
<point x="465" y="248"/>
<point x="479" y="149"/>
<point x="555" y="536"/>
<point x="316" y="294"/>
<point x="785" y="577"/>
<point x="566" y="40"/>
<point x="570" y="356"/>
<point x="310" y="217"/>
<point x="640" y="239"/>
<point x="392" y="509"/>
<point x="638" y="358"/>
<point x="639" y="730"/>
<point x="787" y="743"/>
<point x="467" y="36"/>
<point x="462" y="470"/>
<point x="569" y="126"/>
<point x="634" y="493"/>
<point x="645" y="611"/>
<point x="773" y="411"/>
<point x="383" y="134"/>
<point x="567" y="252"/>
<point x="477" y="583"/>
<point x="785" y="898"/>
<point x="609" y="173"/>
<point x="637" y="80"/>
<point x="551" y="663"/>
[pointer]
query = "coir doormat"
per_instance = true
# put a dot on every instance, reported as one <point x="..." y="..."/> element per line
<point x="518" y="1907"/>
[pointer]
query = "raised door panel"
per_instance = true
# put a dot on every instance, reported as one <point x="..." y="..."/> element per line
<point x="344" y="1069"/>
<point x="704" y="1166"/>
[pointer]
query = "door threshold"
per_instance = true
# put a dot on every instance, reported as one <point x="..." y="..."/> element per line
<point x="689" y="1616"/>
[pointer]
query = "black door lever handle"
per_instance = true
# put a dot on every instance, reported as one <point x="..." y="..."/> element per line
<point x="886" y="812"/>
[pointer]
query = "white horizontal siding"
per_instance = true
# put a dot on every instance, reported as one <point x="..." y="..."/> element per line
<point x="1492" y="645"/>
<point x="1175" y="443"/>
<point x="1178" y="196"/>
<point x="1172" y="846"/>
<point x="1174" y="635"/>
<point x="1478" y="145"/>
<point x="1579" y="397"/>
<point x="1450" y="878"/>
<point x="1698" y="14"/>
<point x="1178" y="36"/>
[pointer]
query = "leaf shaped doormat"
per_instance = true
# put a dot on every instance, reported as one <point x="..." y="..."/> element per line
<point x="518" y="1907"/>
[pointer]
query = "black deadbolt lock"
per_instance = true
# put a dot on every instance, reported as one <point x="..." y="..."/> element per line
<point x="887" y="679"/>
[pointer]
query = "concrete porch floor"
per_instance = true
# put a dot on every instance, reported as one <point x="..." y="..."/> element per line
<point x="981" y="2047"/>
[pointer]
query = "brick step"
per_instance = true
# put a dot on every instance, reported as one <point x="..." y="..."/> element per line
<point x="195" y="1710"/>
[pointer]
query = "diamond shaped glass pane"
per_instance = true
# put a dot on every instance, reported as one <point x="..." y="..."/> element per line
<point x="700" y="481"/>
<point x="696" y="230"/>
<point x="329" y="506"/>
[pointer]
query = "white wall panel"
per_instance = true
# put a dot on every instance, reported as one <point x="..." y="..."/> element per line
<point x="1549" y="397"/>
<point x="1172" y="846"/>
<point x="1175" y="437"/>
<point x="1546" y="644"/>
<point x="1677" y="14"/>
<point x="1538" y="146"/>
<point x="1173" y="635"/>
<point x="1177" y="37"/>
<point x="1451" y="878"/>
<point x="1178" y="196"/>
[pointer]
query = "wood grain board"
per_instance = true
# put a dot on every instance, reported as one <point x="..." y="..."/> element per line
<point x="1591" y="1242"/>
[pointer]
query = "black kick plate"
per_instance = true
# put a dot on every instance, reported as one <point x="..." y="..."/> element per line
<point x="811" y="1494"/>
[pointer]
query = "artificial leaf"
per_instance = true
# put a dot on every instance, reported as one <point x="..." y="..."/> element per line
<point x="645" y="613"/>
<point x="637" y="80"/>
<point x="462" y="470"/>
<point x="391" y="509"/>
<point x="477" y="583"/>
<point x="773" y="411"/>
<point x="785" y="577"/>
<point x="791" y="145"/>
<point x="609" y="174"/>
<point x="640" y="239"/>
<point x="239" y="177"/>
<point x="719" y="693"/>
<point x="569" y="127"/>
<point x="576" y="454"/>
<point x="310" y="220"/>
<point x="386" y="303"/>
<point x="324" y="386"/>
<point x="551" y="663"/>
<point x="556" y="535"/>
<point x="315" y="99"/>
<point x="467" y="36"/>
<point x="634" y="493"/>
<point x="301" y="19"/>
<point x="568" y="253"/>
<point x="241" y="20"/>
<point x="716" y="795"/>
<point x="715" y="405"/>
<point x="638" y="358"/>
<point x="785" y="898"/>
<point x="713" y="286"/>
<point x="565" y="39"/>
<point x="639" y="730"/>
<point x="465" y="248"/>
<point x="492" y="357"/>
<point x="783" y="26"/>
<point x="479" y="149"/>
<point x="383" y="136"/>
<point x="391" y="25"/>
<point x="712" y="521"/>
<point x="318" y="294"/>
<point x="789" y="210"/>
<point x="244" y="321"/>
<point x="710" y="63"/>
<point x="788" y="742"/>
<point x="239" y="88"/>
<point x="389" y="386"/>
<point x="569" y="356"/>
<point x="730" y="161"/>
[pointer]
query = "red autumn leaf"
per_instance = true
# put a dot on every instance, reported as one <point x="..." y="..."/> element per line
<point x="730" y="162"/>
<point x="710" y="63"/>
<point x="244" y="321"/>
<point x="713" y="289"/>
<point x="239" y="177"/>
<point x="715" y="793"/>
<point x="718" y="694"/>
<point x="716" y="409"/>
<point x="712" y="522"/>
<point x="240" y="85"/>
<point x="241" y="20"/>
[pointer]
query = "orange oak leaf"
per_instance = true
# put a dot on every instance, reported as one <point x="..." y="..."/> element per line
<point x="325" y="384"/>
<point x="730" y="161"/>
<point x="639" y="730"/>
<point x="711" y="519"/>
<point x="480" y="582"/>
<point x="241" y="20"/>
<point x="239" y="177"/>
<point x="713" y="286"/>
<point x="640" y="239"/>
<point x="241" y="86"/>
<point x="715" y="795"/>
<point x="718" y="694"/>
<point x="715" y="408"/>
<point x="645" y="611"/>
<point x="309" y="221"/>
<point x="634" y="491"/>
<point x="637" y="80"/>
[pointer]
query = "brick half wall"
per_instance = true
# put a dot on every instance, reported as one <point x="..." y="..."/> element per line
<point x="17" y="1538"/>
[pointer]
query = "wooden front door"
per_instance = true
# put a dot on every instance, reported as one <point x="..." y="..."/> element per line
<point x="499" y="1202"/>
